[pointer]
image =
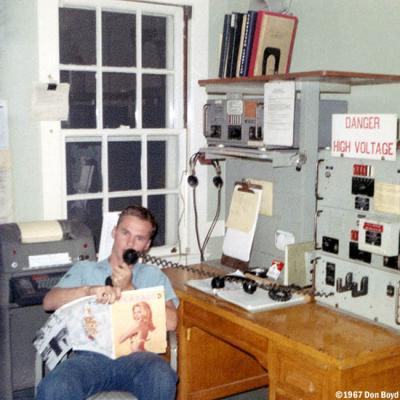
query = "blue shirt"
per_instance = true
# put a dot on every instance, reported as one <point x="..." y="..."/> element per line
<point x="92" y="273"/>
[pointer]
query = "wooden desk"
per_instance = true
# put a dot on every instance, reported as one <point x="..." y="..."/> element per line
<point x="309" y="351"/>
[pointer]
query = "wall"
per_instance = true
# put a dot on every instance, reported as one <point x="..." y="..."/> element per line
<point x="19" y="70"/>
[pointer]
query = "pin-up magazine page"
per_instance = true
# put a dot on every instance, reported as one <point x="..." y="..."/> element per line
<point x="136" y="322"/>
<point x="139" y="322"/>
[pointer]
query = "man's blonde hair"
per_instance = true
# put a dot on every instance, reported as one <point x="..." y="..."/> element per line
<point x="142" y="213"/>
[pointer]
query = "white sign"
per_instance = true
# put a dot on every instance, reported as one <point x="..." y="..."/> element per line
<point x="372" y="136"/>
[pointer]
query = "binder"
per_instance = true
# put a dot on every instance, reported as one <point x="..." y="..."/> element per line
<point x="273" y="43"/>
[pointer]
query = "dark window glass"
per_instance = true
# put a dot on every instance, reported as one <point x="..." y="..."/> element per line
<point x="77" y="36"/>
<point x="83" y="161"/>
<point x="153" y="98"/>
<point x="90" y="212"/>
<point x="119" y="98"/>
<point x="124" y="165"/>
<point x="119" y="39"/>
<point x="156" y="204"/>
<point x="154" y="41"/>
<point x="156" y="164"/>
<point x="82" y="99"/>
<point x="119" y="203"/>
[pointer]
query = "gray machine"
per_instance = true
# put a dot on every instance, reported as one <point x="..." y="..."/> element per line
<point x="240" y="122"/>
<point x="358" y="230"/>
<point x="33" y="257"/>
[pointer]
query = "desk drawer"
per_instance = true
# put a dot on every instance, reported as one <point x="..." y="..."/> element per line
<point x="295" y="376"/>
<point x="234" y="330"/>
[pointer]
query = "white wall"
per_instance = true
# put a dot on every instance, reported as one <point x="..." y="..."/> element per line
<point x="351" y="35"/>
<point x="19" y="70"/>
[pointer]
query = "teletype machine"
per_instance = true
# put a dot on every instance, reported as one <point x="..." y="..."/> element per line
<point x="33" y="257"/>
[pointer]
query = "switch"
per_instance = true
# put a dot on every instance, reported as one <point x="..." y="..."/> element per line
<point x="390" y="290"/>
<point x="330" y="274"/>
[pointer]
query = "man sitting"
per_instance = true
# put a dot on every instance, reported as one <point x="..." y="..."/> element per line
<point x="144" y="374"/>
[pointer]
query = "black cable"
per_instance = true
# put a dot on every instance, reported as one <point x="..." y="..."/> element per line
<point x="196" y="225"/>
<point x="215" y="220"/>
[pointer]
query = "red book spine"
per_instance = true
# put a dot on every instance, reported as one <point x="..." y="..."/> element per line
<point x="256" y="39"/>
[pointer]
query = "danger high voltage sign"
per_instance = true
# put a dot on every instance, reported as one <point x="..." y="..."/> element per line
<point x="372" y="136"/>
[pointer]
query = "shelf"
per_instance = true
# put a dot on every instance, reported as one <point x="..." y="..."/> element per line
<point x="337" y="81"/>
<point x="278" y="157"/>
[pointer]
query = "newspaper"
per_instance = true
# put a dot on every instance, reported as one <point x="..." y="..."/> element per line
<point x="136" y="322"/>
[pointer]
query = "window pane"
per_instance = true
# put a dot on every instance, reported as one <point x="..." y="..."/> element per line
<point x="119" y="203"/>
<point x="124" y="165"/>
<point x="154" y="46"/>
<point x="154" y="99"/>
<point x="162" y="163"/>
<point x="167" y="221"/>
<point x="90" y="213"/>
<point x="83" y="161"/>
<point x="82" y="99"/>
<point x="119" y="39"/>
<point x="119" y="98"/>
<point x="77" y="36"/>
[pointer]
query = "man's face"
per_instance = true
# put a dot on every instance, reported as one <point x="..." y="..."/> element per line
<point x="131" y="233"/>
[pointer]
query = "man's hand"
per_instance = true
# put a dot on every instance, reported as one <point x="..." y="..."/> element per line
<point x="105" y="294"/>
<point x="122" y="277"/>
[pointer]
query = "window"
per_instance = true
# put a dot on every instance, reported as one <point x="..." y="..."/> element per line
<point x="124" y="138"/>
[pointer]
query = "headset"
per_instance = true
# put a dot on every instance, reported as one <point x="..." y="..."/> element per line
<point x="193" y="183"/>
<point x="192" y="179"/>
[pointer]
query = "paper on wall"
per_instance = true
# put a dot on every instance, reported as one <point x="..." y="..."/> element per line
<point x="50" y="101"/>
<point x="241" y="224"/>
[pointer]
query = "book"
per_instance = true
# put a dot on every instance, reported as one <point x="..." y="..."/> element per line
<point x="136" y="322"/>
<point x="247" y="42"/>
<point x="241" y="43"/>
<point x="273" y="43"/>
<point x="236" y="28"/>
<point x="224" y="45"/>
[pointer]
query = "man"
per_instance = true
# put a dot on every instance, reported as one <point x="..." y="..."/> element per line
<point x="146" y="375"/>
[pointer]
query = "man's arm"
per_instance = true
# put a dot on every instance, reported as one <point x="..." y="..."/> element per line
<point x="57" y="296"/>
<point x="171" y="315"/>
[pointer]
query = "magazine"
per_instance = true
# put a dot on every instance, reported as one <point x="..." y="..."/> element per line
<point x="136" y="322"/>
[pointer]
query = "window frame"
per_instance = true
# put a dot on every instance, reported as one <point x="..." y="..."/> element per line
<point x="58" y="145"/>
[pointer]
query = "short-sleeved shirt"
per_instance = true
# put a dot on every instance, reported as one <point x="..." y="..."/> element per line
<point x="92" y="273"/>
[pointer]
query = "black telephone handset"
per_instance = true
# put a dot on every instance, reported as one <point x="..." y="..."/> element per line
<point x="130" y="257"/>
<point x="249" y="286"/>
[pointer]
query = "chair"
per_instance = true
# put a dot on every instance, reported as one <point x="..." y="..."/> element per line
<point x="172" y="355"/>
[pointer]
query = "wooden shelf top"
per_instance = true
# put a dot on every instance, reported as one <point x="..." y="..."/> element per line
<point x="326" y="76"/>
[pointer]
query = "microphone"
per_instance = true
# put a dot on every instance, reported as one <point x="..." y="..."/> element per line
<point x="130" y="257"/>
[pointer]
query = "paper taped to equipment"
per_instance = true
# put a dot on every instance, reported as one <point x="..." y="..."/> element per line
<point x="39" y="232"/>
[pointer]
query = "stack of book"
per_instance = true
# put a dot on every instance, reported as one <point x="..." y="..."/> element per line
<point x="256" y="43"/>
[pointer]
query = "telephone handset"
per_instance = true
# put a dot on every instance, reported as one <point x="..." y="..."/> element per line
<point x="249" y="286"/>
<point x="130" y="257"/>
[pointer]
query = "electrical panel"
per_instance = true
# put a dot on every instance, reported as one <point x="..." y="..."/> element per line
<point x="358" y="237"/>
<point x="240" y="122"/>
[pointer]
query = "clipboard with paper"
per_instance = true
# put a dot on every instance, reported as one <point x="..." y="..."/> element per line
<point x="241" y="224"/>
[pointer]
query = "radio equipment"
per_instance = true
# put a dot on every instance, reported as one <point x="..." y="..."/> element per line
<point x="240" y="122"/>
